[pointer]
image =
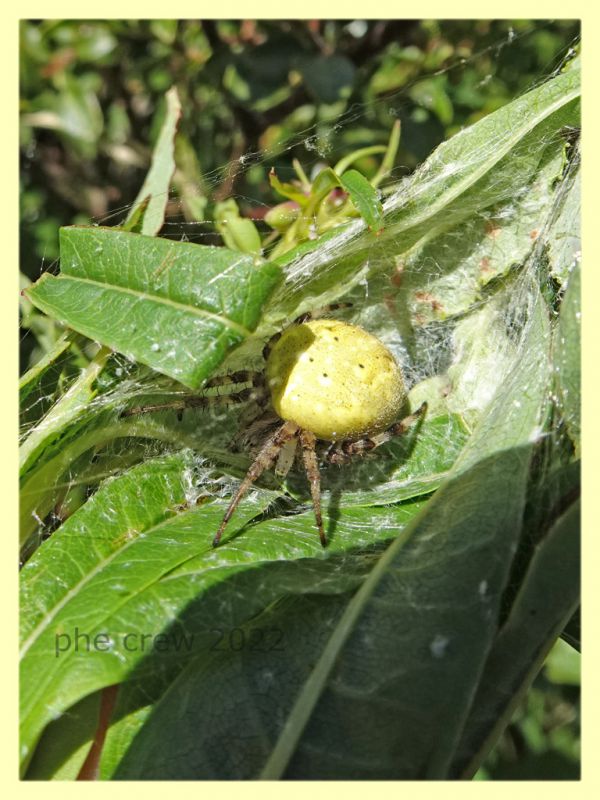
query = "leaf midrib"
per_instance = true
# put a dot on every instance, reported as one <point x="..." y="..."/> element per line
<point x="147" y="295"/>
<point x="471" y="178"/>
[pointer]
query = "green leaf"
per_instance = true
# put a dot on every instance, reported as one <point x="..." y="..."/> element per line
<point x="66" y="604"/>
<point x="564" y="244"/>
<point x="158" y="180"/>
<point x="31" y="380"/>
<point x="468" y="257"/>
<point x="568" y="356"/>
<point x="238" y="233"/>
<point x="164" y="577"/>
<point x="483" y="167"/>
<point x="365" y="198"/>
<point x="431" y="600"/>
<point x="247" y="664"/>
<point x="66" y="743"/>
<point x="288" y="190"/>
<point x="326" y="576"/>
<point x="547" y="598"/>
<point x="563" y="664"/>
<point x="324" y="183"/>
<point x="135" y="221"/>
<point x="70" y="406"/>
<point x="175" y="306"/>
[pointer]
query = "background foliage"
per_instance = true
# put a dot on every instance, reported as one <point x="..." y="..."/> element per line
<point x="90" y="92"/>
<point x="250" y="91"/>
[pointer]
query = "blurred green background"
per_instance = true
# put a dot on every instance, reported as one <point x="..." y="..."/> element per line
<point x="92" y="95"/>
<point x="256" y="95"/>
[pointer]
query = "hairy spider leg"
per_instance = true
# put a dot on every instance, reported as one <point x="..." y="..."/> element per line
<point x="241" y="376"/>
<point x="309" y="456"/>
<point x="344" y="451"/>
<point x="204" y="401"/>
<point x="319" y="312"/>
<point x="285" y="459"/>
<point x="192" y="401"/>
<point x="256" y="420"/>
<point x="259" y="397"/>
<point x="266" y="352"/>
<point x="263" y="461"/>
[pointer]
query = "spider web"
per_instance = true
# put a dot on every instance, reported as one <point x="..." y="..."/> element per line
<point x="467" y="298"/>
<point x="453" y="304"/>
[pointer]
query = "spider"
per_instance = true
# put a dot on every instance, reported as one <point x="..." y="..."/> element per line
<point x="324" y="380"/>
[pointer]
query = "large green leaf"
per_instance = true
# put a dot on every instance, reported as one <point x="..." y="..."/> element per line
<point x="357" y="536"/>
<point x="252" y="672"/>
<point x="411" y="644"/>
<point x="175" y="306"/>
<point x="390" y="631"/>
<point x="547" y="598"/>
<point x="98" y="547"/>
<point x="155" y="571"/>
<point x="480" y="169"/>
<point x="424" y="616"/>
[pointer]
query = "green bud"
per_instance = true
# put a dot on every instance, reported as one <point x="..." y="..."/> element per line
<point x="280" y="217"/>
<point x="238" y="232"/>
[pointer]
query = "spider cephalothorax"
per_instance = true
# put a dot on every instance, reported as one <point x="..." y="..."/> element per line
<point x="323" y="380"/>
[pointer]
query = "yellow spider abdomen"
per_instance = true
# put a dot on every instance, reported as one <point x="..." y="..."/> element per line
<point x="335" y="380"/>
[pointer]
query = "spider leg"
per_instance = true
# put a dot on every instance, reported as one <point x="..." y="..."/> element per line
<point x="319" y="312"/>
<point x="253" y="425"/>
<point x="270" y="344"/>
<point x="258" y="397"/>
<point x="192" y="401"/>
<point x="266" y="457"/>
<point x="342" y="452"/>
<point x="233" y="379"/>
<point x="241" y="376"/>
<point x="285" y="458"/>
<point x="309" y="456"/>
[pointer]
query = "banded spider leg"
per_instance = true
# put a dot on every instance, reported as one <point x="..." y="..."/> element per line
<point x="254" y="392"/>
<point x="344" y="451"/>
<point x="280" y="448"/>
